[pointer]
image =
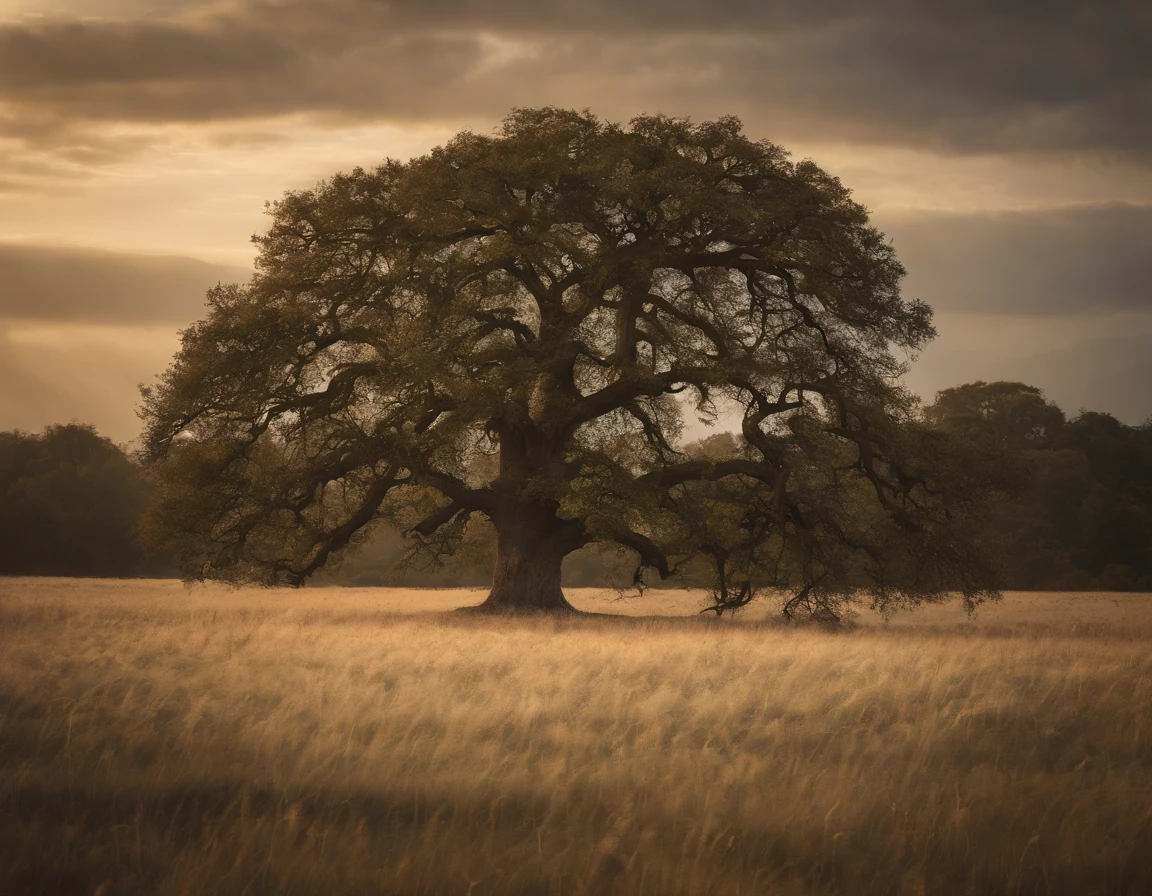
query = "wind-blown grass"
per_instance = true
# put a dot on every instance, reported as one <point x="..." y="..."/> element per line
<point x="155" y="739"/>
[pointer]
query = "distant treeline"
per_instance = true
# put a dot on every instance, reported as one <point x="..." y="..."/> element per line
<point x="70" y="502"/>
<point x="1079" y="515"/>
<point x="1076" y="513"/>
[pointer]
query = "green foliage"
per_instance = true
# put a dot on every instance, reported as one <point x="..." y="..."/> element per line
<point x="513" y="327"/>
<point x="69" y="505"/>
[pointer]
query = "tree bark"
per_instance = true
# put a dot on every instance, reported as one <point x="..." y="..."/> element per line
<point x="526" y="578"/>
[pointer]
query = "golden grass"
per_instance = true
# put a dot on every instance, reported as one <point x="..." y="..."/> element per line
<point x="156" y="739"/>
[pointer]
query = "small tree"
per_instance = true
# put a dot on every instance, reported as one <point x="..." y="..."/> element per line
<point x="514" y="327"/>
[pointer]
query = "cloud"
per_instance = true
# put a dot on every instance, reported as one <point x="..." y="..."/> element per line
<point x="65" y="284"/>
<point x="81" y="54"/>
<point x="81" y="328"/>
<point x="974" y="77"/>
<point x="1075" y="260"/>
<point x="1079" y="260"/>
<point x="1086" y="259"/>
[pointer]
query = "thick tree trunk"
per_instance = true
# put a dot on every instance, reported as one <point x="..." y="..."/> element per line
<point x="526" y="578"/>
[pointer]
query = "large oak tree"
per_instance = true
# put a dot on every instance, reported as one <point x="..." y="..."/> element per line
<point x="514" y="327"/>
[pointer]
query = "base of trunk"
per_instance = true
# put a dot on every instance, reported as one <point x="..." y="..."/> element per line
<point x="526" y="578"/>
<point x="503" y="608"/>
<point x="525" y="597"/>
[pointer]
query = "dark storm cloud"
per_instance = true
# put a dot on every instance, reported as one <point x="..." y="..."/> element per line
<point x="61" y="284"/>
<point x="82" y="54"/>
<point x="59" y="75"/>
<point x="1004" y="77"/>
<point x="1075" y="260"/>
<point x="718" y="16"/>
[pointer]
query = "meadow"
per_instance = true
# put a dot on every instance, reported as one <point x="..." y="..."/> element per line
<point x="157" y="739"/>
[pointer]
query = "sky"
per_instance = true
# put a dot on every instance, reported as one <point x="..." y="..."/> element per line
<point x="1004" y="147"/>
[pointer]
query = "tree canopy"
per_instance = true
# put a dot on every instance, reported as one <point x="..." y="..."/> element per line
<point x="70" y="503"/>
<point x="1011" y="414"/>
<point x="1079" y="514"/>
<point x="515" y="326"/>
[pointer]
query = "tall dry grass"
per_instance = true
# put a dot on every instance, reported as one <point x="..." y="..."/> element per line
<point x="161" y="740"/>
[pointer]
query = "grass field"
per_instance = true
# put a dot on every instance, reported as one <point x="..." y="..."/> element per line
<point x="157" y="739"/>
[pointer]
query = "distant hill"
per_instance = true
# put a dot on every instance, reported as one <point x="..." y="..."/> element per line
<point x="80" y="328"/>
<point x="63" y="283"/>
